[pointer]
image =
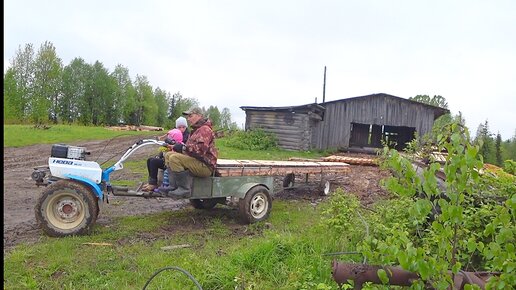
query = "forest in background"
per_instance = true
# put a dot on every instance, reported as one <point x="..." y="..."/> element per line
<point x="39" y="89"/>
<point x="491" y="146"/>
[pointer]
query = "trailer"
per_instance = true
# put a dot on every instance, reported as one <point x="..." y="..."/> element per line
<point x="74" y="187"/>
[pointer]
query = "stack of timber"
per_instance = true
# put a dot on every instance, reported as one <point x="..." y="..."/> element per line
<point x="227" y="167"/>
<point x="135" y="128"/>
<point x="352" y="160"/>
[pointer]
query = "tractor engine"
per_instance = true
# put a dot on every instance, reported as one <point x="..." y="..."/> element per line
<point x="68" y="162"/>
<point x="68" y="152"/>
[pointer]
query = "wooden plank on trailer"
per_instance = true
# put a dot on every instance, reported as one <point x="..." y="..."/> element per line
<point x="227" y="167"/>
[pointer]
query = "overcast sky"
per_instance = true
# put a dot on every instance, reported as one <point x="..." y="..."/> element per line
<point x="273" y="53"/>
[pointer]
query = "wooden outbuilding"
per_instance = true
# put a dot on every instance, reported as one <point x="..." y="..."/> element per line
<point x="359" y="122"/>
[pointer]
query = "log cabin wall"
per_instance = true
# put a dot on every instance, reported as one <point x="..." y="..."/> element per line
<point x="292" y="130"/>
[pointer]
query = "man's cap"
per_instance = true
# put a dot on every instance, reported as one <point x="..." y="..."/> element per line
<point x="194" y="110"/>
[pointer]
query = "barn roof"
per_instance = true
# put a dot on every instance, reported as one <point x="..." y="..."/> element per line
<point x="439" y="110"/>
<point x="319" y="108"/>
<point x="314" y="108"/>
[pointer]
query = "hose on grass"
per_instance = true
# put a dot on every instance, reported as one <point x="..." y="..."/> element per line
<point x="173" y="268"/>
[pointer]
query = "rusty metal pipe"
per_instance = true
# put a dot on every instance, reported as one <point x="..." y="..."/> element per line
<point x="361" y="273"/>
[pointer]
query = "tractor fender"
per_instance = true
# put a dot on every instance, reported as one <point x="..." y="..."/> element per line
<point x="86" y="181"/>
<point x="244" y="188"/>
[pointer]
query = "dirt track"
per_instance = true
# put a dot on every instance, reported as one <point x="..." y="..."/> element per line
<point x="21" y="193"/>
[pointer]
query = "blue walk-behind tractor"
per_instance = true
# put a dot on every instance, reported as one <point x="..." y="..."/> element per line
<point x="69" y="204"/>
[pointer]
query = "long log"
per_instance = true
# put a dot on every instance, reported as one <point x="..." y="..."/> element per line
<point x="352" y="160"/>
<point x="149" y="128"/>
<point x="304" y="159"/>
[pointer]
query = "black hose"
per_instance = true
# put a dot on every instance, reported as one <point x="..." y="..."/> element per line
<point x="109" y="141"/>
<point x="173" y="268"/>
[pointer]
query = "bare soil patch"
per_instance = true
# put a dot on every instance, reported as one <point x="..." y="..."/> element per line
<point x="21" y="193"/>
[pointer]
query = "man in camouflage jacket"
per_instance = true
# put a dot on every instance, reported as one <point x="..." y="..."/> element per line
<point x="198" y="157"/>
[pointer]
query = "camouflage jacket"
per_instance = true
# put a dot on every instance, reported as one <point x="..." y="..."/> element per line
<point x="201" y="144"/>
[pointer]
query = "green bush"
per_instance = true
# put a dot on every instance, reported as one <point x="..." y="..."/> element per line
<point x="256" y="139"/>
<point x="509" y="166"/>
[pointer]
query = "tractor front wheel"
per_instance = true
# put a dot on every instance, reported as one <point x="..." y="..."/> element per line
<point x="66" y="208"/>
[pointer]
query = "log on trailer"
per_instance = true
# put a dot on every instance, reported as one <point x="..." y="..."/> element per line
<point x="352" y="160"/>
<point x="227" y="167"/>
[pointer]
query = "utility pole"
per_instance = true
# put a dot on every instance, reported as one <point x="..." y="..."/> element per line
<point x="324" y="86"/>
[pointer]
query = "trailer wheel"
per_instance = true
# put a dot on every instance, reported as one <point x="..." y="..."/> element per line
<point x="256" y="205"/>
<point x="325" y="187"/>
<point x="207" y="203"/>
<point x="288" y="180"/>
<point x="66" y="208"/>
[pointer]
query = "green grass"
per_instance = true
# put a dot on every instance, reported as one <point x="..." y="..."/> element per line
<point x="286" y="252"/>
<point x="25" y="135"/>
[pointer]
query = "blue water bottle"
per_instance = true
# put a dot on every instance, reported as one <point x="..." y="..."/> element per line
<point x="166" y="181"/>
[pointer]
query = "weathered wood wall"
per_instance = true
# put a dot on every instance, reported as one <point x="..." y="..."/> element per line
<point x="293" y="130"/>
<point x="335" y="130"/>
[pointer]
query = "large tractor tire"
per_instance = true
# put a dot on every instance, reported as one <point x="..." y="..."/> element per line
<point x="67" y="208"/>
<point x="256" y="205"/>
<point x="206" y="203"/>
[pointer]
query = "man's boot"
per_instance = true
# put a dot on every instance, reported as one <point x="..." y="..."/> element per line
<point x="183" y="180"/>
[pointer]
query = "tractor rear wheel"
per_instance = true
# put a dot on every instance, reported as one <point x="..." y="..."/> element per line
<point x="66" y="208"/>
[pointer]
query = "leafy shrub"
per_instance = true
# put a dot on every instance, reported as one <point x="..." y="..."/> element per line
<point x="509" y="166"/>
<point x="474" y="227"/>
<point x="256" y="139"/>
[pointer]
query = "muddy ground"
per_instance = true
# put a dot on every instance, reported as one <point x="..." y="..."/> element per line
<point x="21" y="193"/>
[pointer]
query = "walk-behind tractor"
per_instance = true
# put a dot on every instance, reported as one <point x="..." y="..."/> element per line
<point x="69" y="205"/>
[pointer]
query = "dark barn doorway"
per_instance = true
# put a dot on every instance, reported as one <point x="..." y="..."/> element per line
<point x="371" y="135"/>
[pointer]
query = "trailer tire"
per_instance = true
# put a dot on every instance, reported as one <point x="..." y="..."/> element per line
<point x="256" y="205"/>
<point x="289" y="180"/>
<point x="205" y="203"/>
<point x="67" y="208"/>
<point x="325" y="187"/>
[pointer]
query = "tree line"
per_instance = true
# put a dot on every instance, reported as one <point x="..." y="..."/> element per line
<point x="39" y="89"/>
<point x="492" y="148"/>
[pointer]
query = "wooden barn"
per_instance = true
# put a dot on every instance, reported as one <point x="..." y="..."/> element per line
<point x="353" y="123"/>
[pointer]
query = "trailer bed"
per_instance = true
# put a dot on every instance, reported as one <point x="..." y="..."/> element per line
<point x="230" y="167"/>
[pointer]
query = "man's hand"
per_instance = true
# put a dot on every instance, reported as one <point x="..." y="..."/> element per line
<point x="178" y="147"/>
<point x="170" y="141"/>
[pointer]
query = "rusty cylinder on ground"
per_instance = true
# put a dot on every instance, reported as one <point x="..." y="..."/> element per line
<point x="361" y="273"/>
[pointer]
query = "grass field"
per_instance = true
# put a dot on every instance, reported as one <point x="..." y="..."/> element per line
<point x="286" y="252"/>
<point x="25" y="135"/>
